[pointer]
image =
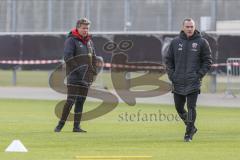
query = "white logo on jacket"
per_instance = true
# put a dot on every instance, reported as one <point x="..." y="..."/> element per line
<point x="180" y="45"/>
<point x="194" y="47"/>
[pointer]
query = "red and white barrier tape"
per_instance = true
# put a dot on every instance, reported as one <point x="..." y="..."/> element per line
<point x="226" y="64"/>
<point x="107" y="65"/>
<point x="111" y="65"/>
<point x="219" y="64"/>
<point x="29" y="61"/>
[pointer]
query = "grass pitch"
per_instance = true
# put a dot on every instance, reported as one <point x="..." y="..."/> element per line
<point x="115" y="134"/>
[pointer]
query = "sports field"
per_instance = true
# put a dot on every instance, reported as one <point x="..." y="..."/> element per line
<point x="117" y="134"/>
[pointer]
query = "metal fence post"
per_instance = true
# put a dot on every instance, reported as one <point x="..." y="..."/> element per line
<point x="14" y="78"/>
<point x="213" y="82"/>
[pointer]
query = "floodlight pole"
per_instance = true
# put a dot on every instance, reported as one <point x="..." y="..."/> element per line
<point x="214" y="15"/>
<point x="49" y="15"/>
<point x="169" y="15"/>
<point x="87" y="9"/>
<point x="127" y="22"/>
<point x="14" y="19"/>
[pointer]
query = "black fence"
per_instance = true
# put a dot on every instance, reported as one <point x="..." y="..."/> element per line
<point x="149" y="47"/>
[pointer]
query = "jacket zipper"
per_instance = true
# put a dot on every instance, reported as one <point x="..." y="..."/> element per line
<point x="185" y="64"/>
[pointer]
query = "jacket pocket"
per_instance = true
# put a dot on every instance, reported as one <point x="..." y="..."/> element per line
<point x="178" y="78"/>
<point x="193" y="78"/>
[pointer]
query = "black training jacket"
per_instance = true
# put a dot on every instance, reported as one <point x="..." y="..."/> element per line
<point x="80" y="58"/>
<point x="187" y="61"/>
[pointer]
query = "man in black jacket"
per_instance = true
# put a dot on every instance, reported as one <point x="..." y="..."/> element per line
<point x="80" y="59"/>
<point x="187" y="61"/>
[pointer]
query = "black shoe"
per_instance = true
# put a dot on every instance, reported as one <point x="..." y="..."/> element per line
<point x="193" y="131"/>
<point x="187" y="138"/>
<point x="79" y="130"/>
<point x="59" y="127"/>
<point x="189" y="134"/>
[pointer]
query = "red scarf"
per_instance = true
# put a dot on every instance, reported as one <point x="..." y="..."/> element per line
<point x="80" y="37"/>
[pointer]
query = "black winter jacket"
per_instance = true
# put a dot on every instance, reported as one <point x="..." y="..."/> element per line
<point x="187" y="61"/>
<point x="80" y="58"/>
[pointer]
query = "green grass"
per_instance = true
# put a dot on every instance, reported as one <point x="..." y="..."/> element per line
<point x="40" y="79"/>
<point x="25" y="78"/>
<point x="33" y="121"/>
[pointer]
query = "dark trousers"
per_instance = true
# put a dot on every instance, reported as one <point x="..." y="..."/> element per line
<point x="188" y="116"/>
<point x="71" y="100"/>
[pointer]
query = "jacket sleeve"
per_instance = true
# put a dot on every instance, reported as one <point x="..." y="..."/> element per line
<point x="94" y="59"/>
<point x="69" y="49"/>
<point x="169" y="61"/>
<point x="69" y="54"/>
<point x="205" y="59"/>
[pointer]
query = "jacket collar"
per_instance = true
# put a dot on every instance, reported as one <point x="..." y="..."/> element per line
<point x="195" y="35"/>
<point x="74" y="33"/>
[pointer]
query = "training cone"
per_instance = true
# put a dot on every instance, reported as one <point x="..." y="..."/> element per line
<point x="16" y="146"/>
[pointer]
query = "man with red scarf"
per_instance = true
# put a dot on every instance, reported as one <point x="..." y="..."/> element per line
<point x="80" y="59"/>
